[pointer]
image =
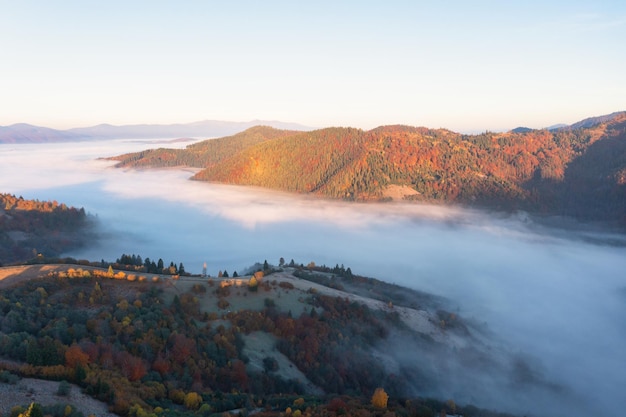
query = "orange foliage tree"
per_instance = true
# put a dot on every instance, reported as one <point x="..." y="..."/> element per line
<point x="379" y="399"/>
<point x="74" y="356"/>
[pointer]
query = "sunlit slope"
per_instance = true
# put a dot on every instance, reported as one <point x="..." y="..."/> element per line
<point x="573" y="171"/>
<point x="319" y="162"/>
<point x="202" y="154"/>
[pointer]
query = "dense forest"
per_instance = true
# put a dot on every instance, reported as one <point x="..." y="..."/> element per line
<point x="155" y="346"/>
<point x="31" y="227"/>
<point x="577" y="171"/>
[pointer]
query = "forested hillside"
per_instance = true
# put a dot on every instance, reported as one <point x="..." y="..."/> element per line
<point x="31" y="227"/>
<point x="270" y="343"/>
<point x="205" y="153"/>
<point x="570" y="171"/>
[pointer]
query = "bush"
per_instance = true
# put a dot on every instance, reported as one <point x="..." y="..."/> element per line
<point x="9" y="378"/>
<point x="64" y="389"/>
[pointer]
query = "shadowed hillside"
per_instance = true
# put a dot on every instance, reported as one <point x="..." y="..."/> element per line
<point x="577" y="171"/>
<point x="32" y="227"/>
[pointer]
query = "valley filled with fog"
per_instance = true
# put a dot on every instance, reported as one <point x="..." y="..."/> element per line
<point x="554" y="296"/>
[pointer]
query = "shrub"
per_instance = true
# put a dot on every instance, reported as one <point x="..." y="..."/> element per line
<point x="64" y="389"/>
<point x="9" y="378"/>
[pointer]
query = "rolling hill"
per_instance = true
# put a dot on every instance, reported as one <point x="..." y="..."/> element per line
<point x="317" y="340"/>
<point x="572" y="171"/>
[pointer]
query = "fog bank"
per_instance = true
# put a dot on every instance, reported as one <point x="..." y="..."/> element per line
<point x="549" y="296"/>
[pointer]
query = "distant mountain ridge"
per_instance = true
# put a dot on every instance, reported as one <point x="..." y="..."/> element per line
<point x="594" y="121"/>
<point x="579" y="172"/>
<point x="25" y="133"/>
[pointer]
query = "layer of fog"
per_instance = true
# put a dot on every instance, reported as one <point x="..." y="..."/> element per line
<point x="549" y="296"/>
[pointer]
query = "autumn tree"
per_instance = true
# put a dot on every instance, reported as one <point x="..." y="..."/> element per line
<point x="74" y="356"/>
<point x="192" y="401"/>
<point x="253" y="284"/>
<point x="379" y="399"/>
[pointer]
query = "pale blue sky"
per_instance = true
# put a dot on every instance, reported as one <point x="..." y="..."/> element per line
<point x="463" y="65"/>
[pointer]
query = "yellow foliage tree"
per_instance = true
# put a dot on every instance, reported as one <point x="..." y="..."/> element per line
<point x="253" y="284"/>
<point x="379" y="399"/>
<point x="192" y="401"/>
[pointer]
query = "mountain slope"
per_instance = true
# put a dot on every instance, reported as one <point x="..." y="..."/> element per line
<point x="205" y="153"/>
<point x="302" y="162"/>
<point x="576" y="171"/>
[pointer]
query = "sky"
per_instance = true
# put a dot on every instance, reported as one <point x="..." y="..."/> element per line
<point x="467" y="66"/>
